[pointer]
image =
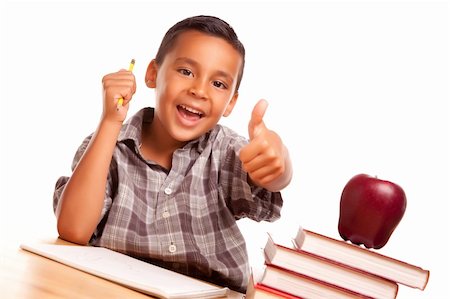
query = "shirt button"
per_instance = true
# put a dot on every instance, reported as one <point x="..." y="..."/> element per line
<point x="166" y="214"/>
<point x="172" y="248"/>
<point x="168" y="191"/>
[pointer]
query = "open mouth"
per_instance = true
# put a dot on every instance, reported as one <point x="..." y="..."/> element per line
<point x="190" y="113"/>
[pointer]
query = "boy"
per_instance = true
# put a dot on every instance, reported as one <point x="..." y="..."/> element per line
<point x="168" y="185"/>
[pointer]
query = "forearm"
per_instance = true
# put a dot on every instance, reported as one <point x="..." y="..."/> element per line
<point x="81" y="202"/>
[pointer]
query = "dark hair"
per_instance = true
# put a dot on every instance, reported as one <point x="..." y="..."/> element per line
<point x="205" y="24"/>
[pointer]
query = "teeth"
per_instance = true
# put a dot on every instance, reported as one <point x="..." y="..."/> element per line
<point x="191" y="110"/>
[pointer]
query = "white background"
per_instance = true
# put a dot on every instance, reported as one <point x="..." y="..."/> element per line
<point x="354" y="87"/>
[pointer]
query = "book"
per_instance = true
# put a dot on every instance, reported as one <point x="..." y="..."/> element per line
<point x="330" y="272"/>
<point x="256" y="290"/>
<point x="362" y="258"/>
<point x="128" y="271"/>
<point x="291" y="284"/>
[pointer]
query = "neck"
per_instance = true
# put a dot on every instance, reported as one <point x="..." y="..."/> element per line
<point x="157" y="145"/>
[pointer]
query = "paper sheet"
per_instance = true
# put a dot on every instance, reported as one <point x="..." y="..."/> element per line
<point x="128" y="271"/>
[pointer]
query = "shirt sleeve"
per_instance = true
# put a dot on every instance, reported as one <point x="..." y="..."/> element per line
<point x="62" y="181"/>
<point x="243" y="198"/>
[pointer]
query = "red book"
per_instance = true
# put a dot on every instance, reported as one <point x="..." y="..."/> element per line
<point x="327" y="271"/>
<point x="295" y="285"/>
<point x="260" y="291"/>
<point x="361" y="258"/>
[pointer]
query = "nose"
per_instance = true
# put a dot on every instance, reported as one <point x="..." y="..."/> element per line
<point x="198" y="88"/>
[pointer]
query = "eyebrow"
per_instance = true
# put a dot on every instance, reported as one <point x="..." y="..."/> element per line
<point x="196" y="64"/>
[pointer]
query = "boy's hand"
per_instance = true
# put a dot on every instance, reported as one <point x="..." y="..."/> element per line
<point x="121" y="84"/>
<point x="264" y="158"/>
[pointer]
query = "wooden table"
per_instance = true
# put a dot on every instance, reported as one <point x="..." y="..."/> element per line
<point x="27" y="275"/>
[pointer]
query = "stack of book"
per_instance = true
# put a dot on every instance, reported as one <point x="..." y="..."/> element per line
<point x="316" y="266"/>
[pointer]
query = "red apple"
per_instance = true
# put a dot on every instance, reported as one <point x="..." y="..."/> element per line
<point x="370" y="210"/>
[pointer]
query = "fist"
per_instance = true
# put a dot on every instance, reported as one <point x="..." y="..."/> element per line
<point x="263" y="157"/>
<point x="121" y="84"/>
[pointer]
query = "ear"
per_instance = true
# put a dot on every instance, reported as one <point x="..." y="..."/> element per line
<point x="231" y="105"/>
<point x="150" y="75"/>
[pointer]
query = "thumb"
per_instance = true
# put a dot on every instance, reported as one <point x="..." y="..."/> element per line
<point x="256" y="123"/>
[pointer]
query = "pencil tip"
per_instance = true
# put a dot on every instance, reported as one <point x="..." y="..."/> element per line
<point x="132" y="61"/>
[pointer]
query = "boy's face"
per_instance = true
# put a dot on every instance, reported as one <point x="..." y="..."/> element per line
<point x="195" y="84"/>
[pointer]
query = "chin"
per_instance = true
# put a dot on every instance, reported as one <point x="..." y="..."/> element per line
<point x="185" y="135"/>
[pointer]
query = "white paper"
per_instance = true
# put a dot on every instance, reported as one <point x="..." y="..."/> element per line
<point x="128" y="271"/>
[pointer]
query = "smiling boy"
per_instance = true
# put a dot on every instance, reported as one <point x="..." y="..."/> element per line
<point x="168" y="185"/>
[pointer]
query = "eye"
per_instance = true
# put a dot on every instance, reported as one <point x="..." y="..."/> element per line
<point x="219" y="84"/>
<point x="185" y="72"/>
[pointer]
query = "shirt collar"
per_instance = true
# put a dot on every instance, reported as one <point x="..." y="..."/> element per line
<point x="132" y="129"/>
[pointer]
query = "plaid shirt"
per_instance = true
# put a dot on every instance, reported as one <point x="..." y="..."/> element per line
<point x="183" y="219"/>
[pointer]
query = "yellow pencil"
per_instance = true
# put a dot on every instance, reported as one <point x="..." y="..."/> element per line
<point x="130" y="68"/>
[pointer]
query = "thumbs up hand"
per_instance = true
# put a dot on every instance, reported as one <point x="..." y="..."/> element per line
<point x="265" y="157"/>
